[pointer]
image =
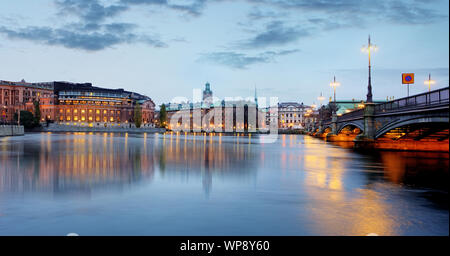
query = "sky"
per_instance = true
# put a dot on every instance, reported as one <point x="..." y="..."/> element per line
<point x="285" y="48"/>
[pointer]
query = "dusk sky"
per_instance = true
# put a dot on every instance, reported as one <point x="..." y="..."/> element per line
<point x="288" y="49"/>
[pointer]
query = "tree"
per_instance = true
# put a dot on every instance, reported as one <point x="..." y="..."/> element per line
<point x="137" y="115"/>
<point x="162" y="116"/>
<point x="37" y="113"/>
<point x="26" y="119"/>
<point x="326" y="112"/>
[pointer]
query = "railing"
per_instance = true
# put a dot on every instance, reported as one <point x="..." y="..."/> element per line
<point x="435" y="97"/>
<point x="351" y="115"/>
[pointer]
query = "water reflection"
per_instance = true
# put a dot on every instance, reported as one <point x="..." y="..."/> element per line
<point x="297" y="186"/>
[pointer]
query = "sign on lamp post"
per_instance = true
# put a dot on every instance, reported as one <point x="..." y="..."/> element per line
<point x="408" y="78"/>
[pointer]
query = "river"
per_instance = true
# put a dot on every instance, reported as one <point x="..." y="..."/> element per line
<point x="169" y="184"/>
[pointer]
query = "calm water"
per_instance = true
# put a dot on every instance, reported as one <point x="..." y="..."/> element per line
<point x="125" y="184"/>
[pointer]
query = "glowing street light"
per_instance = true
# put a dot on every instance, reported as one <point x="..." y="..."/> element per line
<point x="369" y="48"/>
<point x="321" y="98"/>
<point x="429" y="82"/>
<point x="334" y="84"/>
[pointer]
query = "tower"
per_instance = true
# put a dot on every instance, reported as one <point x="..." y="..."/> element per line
<point x="207" y="93"/>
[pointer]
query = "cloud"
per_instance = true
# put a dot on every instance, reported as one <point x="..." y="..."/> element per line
<point x="110" y="35"/>
<point x="237" y="60"/>
<point x="275" y="34"/>
<point x="193" y="8"/>
<point x="90" y="32"/>
<point x="90" y="11"/>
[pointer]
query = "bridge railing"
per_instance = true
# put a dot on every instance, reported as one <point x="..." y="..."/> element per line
<point x="435" y="97"/>
<point x="351" y="115"/>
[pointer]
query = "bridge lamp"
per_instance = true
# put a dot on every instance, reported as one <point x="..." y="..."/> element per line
<point x="429" y="82"/>
<point x="335" y="84"/>
<point x="368" y="49"/>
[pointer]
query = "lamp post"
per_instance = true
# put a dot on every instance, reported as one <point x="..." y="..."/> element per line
<point x="334" y="84"/>
<point x="429" y="82"/>
<point x="370" y="47"/>
<point x="320" y="98"/>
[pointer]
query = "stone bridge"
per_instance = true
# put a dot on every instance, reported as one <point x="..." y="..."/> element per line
<point x="406" y="123"/>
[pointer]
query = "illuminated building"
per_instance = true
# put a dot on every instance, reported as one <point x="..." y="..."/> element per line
<point x="75" y="104"/>
<point x="85" y="104"/>
<point x="215" y="115"/>
<point x="291" y="115"/>
<point x="17" y="96"/>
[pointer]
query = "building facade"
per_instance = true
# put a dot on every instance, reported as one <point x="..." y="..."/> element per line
<point x="75" y="104"/>
<point x="17" y="96"/>
<point x="290" y="115"/>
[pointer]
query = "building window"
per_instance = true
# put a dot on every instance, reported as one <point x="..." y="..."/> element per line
<point x="75" y="118"/>
<point x="97" y="111"/>
<point x="68" y="118"/>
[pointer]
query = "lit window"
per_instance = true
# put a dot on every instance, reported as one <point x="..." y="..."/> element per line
<point x="75" y="118"/>
<point x="97" y="111"/>
<point x="104" y="111"/>
<point x="83" y="111"/>
<point x="83" y="118"/>
<point x="75" y="111"/>
<point x="68" y="118"/>
<point x="112" y="119"/>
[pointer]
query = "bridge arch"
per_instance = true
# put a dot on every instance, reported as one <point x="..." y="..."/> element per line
<point x="412" y="121"/>
<point x="350" y="124"/>
<point x="327" y="129"/>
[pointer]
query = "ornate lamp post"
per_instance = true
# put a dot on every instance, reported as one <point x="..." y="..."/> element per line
<point x="429" y="82"/>
<point x="369" y="48"/>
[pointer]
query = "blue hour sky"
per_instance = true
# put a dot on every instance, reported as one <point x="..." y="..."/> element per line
<point x="286" y="48"/>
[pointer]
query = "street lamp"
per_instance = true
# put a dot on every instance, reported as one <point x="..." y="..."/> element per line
<point x="334" y="84"/>
<point x="369" y="48"/>
<point x="320" y="98"/>
<point x="429" y="82"/>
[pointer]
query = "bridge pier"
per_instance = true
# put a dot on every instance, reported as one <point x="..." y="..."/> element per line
<point x="366" y="140"/>
<point x="332" y="135"/>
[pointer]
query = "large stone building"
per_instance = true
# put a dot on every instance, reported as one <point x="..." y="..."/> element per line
<point x="75" y="104"/>
<point x="290" y="115"/>
<point x="16" y="96"/>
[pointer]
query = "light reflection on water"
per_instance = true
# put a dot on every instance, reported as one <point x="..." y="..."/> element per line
<point x="185" y="184"/>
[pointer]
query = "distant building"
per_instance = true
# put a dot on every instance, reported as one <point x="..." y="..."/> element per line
<point x="290" y="115"/>
<point x="244" y="114"/>
<point x="207" y="94"/>
<point x="75" y="103"/>
<point x="345" y="106"/>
